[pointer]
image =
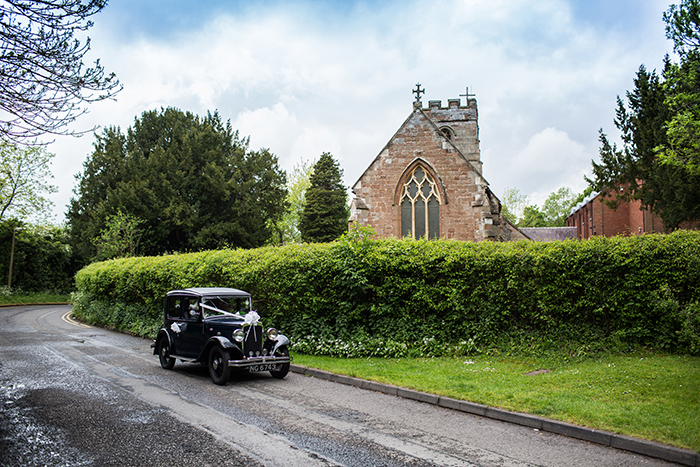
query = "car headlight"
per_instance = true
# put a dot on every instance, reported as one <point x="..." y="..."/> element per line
<point x="238" y="335"/>
<point x="272" y="334"/>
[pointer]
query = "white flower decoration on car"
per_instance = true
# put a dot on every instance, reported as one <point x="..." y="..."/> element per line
<point x="251" y="318"/>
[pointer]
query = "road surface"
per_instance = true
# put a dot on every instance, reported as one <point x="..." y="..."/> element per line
<point x="75" y="395"/>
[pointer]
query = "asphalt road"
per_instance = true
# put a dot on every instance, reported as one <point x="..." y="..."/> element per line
<point x="74" y="395"/>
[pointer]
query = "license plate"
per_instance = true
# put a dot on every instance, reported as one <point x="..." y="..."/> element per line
<point x="263" y="367"/>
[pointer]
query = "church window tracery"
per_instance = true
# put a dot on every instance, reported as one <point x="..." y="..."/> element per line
<point x="420" y="206"/>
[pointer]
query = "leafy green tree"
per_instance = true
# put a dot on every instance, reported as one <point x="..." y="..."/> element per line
<point x="326" y="212"/>
<point x="286" y="230"/>
<point x="557" y="207"/>
<point x="513" y="205"/>
<point x="24" y="181"/>
<point x="682" y="148"/>
<point x="120" y="238"/>
<point x="532" y="217"/>
<point x="42" y="260"/>
<point x="45" y="83"/>
<point x="192" y="182"/>
<point x="654" y="164"/>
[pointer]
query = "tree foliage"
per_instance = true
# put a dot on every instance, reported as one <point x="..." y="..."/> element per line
<point x="120" y="238"/>
<point x="192" y="183"/>
<point x="286" y="230"/>
<point x="325" y="214"/>
<point x="557" y="206"/>
<point x="24" y="181"/>
<point x="555" y="209"/>
<point x="44" y="83"/>
<point x="42" y="257"/>
<point x="658" y="162"/>
<point x="513" y="205"/>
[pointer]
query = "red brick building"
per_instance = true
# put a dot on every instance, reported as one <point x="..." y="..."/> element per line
<point x="427" y="180"/>
<point x="593" y="217"/>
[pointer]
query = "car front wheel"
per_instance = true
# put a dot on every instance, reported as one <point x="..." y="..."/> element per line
<point x="218" y="365"/>
<point x="283" y="369"/>
<point x="166" y="361"/>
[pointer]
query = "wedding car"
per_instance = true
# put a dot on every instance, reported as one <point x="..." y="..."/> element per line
<point x="218" y="327"/>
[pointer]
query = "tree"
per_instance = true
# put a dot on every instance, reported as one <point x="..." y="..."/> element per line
<point x="532" y="217"/>
<point x="42" y="257"/>
<point x="44" y="82"/>
<point x="513" y="205"/>
<point x="326" y="213"/>
<point x="682" y="148"/>
<point x="120" y="238"/>
<point x="286" y="230"/>
<point x="24" y="175"/>
<point x="557" y="207"/>
<point x="658" y="128"/>
<point x="191" y="181"/>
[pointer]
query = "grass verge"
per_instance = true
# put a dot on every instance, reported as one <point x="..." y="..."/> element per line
<point x="647" y="395"/>
<point x="28" y="298"/>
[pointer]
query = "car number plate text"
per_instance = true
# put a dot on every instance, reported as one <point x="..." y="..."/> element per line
<point x="263" y="367"/>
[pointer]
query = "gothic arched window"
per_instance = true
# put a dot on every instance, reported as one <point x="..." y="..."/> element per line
<point x="420" y="206"/>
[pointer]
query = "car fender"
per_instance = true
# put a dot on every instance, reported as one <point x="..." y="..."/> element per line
<point x="221" y="341"/>
<point x="279" y="342"/>
<point x="162" y="334"/>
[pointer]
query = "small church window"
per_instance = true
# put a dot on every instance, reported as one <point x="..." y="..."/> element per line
<point x="420" y="206"/>
<point x="447" y="132"/>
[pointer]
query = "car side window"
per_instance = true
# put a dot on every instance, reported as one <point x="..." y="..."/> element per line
<point x="192" y="308"/>
<point x="174" y="307"/>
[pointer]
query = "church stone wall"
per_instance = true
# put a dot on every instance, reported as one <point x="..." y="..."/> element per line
<point x="468" y="210"/>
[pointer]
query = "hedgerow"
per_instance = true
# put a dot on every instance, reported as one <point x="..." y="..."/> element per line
<point x="363" y="297"/>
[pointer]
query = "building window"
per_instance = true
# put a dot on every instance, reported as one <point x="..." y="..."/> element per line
<point x="420" y="206"/>
<point x="446" y="132"/>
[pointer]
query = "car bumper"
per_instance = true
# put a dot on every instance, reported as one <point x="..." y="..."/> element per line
<point x="258" y="361"/>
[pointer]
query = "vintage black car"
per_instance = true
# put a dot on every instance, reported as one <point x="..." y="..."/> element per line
<point x="217" y="327"/>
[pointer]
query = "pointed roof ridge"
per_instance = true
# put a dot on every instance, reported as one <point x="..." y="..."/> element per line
<point x="419" y="108"/>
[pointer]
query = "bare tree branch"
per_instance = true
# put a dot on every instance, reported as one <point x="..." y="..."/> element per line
<point x="44" y="84"/>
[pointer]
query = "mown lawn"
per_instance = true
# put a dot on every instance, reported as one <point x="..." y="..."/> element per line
<point x="648" y="395"/>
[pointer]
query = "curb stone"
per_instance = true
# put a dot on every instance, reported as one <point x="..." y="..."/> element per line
<point x="626" y="443"/>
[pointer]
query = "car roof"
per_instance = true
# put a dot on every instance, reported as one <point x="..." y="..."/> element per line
<point x="206" y="291"/>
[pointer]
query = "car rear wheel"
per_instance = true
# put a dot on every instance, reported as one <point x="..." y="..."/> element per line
<point x="283" y="369"/>
<point x="218" y="365"/>
<point x="166" y="361"/>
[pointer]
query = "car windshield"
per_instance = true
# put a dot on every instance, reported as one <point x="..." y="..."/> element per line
<point x="222" y="305"/>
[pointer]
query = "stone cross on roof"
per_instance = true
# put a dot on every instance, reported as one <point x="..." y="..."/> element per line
<point x="467" y="95"/>
<point x="418" y="91"/>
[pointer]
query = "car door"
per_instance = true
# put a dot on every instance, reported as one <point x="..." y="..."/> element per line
<point x="191" y="338"/>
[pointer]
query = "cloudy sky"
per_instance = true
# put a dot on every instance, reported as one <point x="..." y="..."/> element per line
<point x="304" y="77"/>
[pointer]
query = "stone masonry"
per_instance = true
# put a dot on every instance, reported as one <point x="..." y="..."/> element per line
<point x="444" y="143"/>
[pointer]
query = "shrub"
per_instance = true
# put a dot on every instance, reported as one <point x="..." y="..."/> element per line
<point x="429" y="297"/>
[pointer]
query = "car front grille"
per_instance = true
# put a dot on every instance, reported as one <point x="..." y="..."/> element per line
<point x="253" y="341"/>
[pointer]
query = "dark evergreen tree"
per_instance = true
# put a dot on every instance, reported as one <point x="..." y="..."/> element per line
<point x="326" y="213"/>
<point x="192" y="183"/>
<point x="636" y="171"/>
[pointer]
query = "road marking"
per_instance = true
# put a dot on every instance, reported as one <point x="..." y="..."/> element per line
<point x="68" y="318"/>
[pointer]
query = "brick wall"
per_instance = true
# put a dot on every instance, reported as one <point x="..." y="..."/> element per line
<point x="596" y="218"/>
<point x="468" y="210"/>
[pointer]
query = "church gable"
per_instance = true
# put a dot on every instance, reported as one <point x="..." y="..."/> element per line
<point x="422" y="185"/>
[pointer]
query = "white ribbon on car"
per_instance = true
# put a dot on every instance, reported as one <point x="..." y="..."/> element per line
<point x="176" y="328"/>
<point x="251" y="318"/>
<point x="213" y="308"/>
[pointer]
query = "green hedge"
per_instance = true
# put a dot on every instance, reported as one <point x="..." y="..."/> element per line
<point x="359" y="296"/>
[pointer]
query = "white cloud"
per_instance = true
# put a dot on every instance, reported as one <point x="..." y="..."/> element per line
<point x="302" y="79"/>
<point x="550" y="160"/>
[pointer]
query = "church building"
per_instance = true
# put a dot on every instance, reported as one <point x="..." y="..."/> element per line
<point x="427" y="181"/>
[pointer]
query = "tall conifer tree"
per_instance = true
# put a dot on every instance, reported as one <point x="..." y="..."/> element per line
<point x="325" y="215"/>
